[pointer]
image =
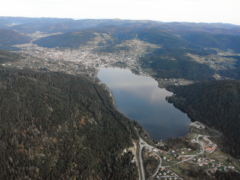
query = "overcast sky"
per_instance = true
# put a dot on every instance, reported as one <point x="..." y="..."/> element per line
<point x="226" y="11"/>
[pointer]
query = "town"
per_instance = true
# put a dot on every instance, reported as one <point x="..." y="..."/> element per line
<point x="174" y="163"/>
<point x="87" y="59"/>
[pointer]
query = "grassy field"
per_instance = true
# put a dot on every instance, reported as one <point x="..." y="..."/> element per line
<point x="203" y="142"/>
<point x="183" y="171"/>
<point x="193" y="135"/>
<point x="192" y="152"/>
<point x="221" y="156"/>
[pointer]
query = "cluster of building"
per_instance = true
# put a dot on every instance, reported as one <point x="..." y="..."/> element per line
<point x="212" y="165"/>
<point x="198" y="125"/>
<point x="211" y="149"/>
<point x="167" y="175"/>
<point x="160" y="144"/>
<point x="88" y="55"/>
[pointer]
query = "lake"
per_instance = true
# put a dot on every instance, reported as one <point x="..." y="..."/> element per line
<point x="140" y="98"/>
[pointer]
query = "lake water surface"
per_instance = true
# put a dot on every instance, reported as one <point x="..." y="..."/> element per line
<point x="140" y="98"/>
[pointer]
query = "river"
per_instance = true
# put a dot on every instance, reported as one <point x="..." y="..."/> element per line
<point x="140" y="98"/>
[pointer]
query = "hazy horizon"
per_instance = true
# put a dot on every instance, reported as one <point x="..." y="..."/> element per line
<point x="196" y="11"/>
<point x="124" y="19"/>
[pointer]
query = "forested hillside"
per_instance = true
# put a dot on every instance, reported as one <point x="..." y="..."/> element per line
<point x="31" y="25"/>
<point x="208" y="40"/>
<point x="59" y="126"/>
<point x="6" y="56"/>
<point x="232" y="73"/>
<point x="173" y="63"/>
<point x="71" y="40"/>
<point x="9" y="38"/>
<point x="4" y="23"/>
<point x="216" y="104"/>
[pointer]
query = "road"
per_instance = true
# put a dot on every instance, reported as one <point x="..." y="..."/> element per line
<point x="159" y="166"/>
<point x="142" y="144"/>
<point x="137" y="160"/>
<point x="140" y="157"/>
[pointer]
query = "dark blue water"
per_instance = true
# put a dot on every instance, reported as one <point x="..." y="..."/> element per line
<point x="140" y="98"/>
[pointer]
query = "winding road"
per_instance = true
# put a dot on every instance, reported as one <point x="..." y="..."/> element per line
<point x="142" y="144"/>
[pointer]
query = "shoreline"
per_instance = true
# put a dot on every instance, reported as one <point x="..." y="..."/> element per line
<point x="109" y="91"/>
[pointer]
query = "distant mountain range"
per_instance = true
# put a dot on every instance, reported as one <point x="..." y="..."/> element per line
<point x="50" y="25"/>
<point x="176" y="39"/>
<point x="156" y="35"/>
<point x="4" y="23"/>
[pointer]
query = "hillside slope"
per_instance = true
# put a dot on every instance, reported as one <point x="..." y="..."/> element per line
<point x="59" y="126"/>
<point x="216" y="104"/>
<point x="71" y="40"/>
<point x="9" y="38"/>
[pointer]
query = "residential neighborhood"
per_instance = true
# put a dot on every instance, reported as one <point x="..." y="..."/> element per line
<point x="172" y="162"/>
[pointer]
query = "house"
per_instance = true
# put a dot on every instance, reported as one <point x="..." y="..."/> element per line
<point x="212" y="160"/>
<point x="208" y="149"/>
<point x="206" y="163"/>
<point x="200" y="164"/>
<point x="226" y="170"/>
<point x="155" y="150"/>
<point x="189" y="149"/>
<point x="212" y="171"/>
<point x="156" y="158"/>
<point x="214" y="147"/>
<point x="164" y="157"/>
<point x="161" y="144"/>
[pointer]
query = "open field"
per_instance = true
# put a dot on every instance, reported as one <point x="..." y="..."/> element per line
<point x="183" y="171"/>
